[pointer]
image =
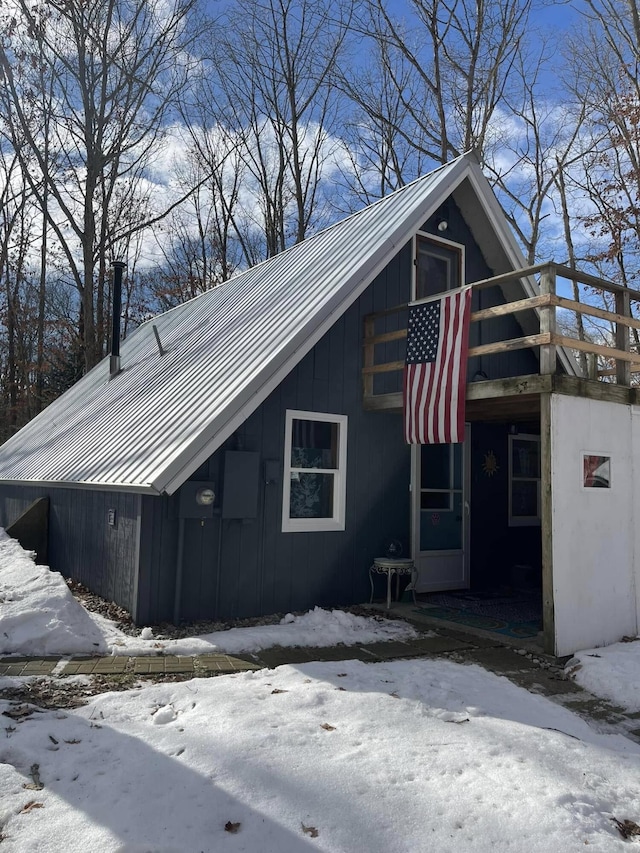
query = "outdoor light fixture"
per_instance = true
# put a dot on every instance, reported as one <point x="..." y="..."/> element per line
<point x="479" y="376"/>
<point x="205" y="497"/>
<point x="442" y="225"/>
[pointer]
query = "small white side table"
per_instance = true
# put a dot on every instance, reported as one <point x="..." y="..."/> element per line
<point x="389" y="567"/>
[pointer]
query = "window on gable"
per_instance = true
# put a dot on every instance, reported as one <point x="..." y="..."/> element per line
<point x="314" y="482"/>
<point x="439" y="266"/>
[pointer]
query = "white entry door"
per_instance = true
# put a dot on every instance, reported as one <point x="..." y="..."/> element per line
<point x="440" y="515"/>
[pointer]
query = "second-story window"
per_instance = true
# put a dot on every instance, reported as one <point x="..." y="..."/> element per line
<point x="439" y="266"/>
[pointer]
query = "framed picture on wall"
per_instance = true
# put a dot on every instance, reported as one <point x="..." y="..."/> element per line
<point x="596" y="471"/>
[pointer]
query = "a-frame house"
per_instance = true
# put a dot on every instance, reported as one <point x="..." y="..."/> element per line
<point x="247" y="456"/>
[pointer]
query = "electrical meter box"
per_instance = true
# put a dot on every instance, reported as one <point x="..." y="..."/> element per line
<point x="241" y="484"/>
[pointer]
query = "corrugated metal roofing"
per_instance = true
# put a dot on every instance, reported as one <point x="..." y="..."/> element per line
<point x="152" y="425"/>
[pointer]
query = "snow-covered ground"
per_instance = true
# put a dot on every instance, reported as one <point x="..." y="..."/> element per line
<point x="403" y="757"/>
<point x="41" y="617"/>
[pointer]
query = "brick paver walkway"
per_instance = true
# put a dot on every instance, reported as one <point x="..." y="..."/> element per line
<point x="537" y="673"/>
<point x="121" y="664"/>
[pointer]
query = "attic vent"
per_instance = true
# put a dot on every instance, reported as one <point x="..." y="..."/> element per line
<point x="158" y="341"/>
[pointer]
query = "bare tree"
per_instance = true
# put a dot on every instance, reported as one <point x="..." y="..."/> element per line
<point x="115" y="70"/>
<point x="605" y="55"/>
<point x="212" y="222"/>
<point x="460" y="53"/>
<point x="539" y="137"/>
<point x="270" y="91"/>
<point x="14" y="239"/>
<point x="378" y="156"/>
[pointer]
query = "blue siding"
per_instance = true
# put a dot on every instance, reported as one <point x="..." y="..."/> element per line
<point x="234" y="568"/>
<point x="82" y="544"/>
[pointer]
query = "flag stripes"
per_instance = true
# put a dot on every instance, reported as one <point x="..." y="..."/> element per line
<point x="435" y="370"/>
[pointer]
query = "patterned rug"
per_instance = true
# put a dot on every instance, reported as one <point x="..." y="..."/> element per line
<point x="511" y="616"/>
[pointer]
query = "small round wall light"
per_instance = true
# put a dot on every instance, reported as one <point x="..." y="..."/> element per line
<point x="442" y="225"/>
<point x="205" y="497"/>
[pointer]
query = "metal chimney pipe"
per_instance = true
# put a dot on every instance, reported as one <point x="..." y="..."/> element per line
<point x="114" y="362"/>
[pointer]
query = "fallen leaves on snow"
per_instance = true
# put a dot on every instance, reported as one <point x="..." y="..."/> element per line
<point x="627" y="828"/>
<point x="32" y="804"/>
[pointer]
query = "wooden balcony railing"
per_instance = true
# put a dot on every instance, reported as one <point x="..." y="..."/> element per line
<point x="614" y="357"/>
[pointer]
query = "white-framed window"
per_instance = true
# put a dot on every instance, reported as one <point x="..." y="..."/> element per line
<point x="439" y="266"/>
<point x="315" y="472"/>
<point x="524" y="480"/>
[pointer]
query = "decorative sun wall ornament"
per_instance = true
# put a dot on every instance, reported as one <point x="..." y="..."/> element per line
<point x="490" y="464"/>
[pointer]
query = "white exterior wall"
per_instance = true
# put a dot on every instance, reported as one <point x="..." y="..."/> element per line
<point x="595" y="539"/>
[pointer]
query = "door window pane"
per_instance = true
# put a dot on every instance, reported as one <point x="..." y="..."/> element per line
<point x="435" y="466"/>
<point x="435" y="500"/>
<point x="442" y="530"/>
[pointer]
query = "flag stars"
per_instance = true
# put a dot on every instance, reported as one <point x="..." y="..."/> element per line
<point x="423" y="332"/>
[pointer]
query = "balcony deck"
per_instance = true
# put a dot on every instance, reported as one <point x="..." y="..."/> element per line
<point x="569" y="362"/>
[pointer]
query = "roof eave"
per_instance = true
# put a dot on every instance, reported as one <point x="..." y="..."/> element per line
<point x="136" y="488"/>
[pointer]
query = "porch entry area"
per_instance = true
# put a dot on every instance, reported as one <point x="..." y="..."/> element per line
<point x="476" y="535"/>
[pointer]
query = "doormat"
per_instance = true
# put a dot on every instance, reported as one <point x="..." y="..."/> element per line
<point x="509" y="628"/>
<point x="516" y="607"/>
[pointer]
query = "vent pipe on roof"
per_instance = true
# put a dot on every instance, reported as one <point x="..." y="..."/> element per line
<point x="114" y="362"/>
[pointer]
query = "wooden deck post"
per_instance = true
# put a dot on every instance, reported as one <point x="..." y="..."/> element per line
<point x="623" y="368"/>
<point x="546" y="526"/>
<point x="548" y="320"/>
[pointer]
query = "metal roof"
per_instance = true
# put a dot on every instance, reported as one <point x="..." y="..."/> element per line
<point x="153" y="424"/>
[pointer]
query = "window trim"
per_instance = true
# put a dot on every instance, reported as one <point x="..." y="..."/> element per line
<point x="337" y="520"/>
<point x="524" y="520"/>
<point x="459" y="248"/>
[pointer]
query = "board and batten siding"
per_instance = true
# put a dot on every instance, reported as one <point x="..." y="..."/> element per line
<point x="235" y="568"/>
<point x="157" y="563"/>
<point x="503" y="555"/>
<point x="238" y="568"/>
<point x="82" y="543"/>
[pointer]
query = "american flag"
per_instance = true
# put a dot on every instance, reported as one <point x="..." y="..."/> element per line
<point x="436" y="369"/>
